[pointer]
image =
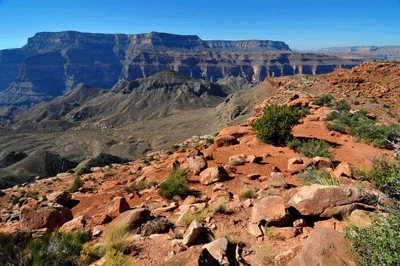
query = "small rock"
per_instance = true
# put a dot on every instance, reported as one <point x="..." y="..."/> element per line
<point x="237" y="159"/>
<point x="98" y="230"/>
<point x="300" y="223"/>
<point x="254" y="159"/>
<point x="253" y="176"/>
<point x="276" y="180"/>
<point x="218" y="249"/>
<point x="116" y="207"/>
<point x="225" y="141"/>
<point x="212" y="175"/>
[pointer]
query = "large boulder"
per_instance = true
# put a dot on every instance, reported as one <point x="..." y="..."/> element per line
<point x="225" y="141"/>
<point x="325" y="247"/>
<point x="117" y="206"/>
<point x="218" y="249"/>
<point x="50" y="216"/>
<point x="324" y="201"/>
<point x="197" y="164"/>
<point x="212" y="175"/>
<point x="132" y="218"/>
<point x="269" y="210"/>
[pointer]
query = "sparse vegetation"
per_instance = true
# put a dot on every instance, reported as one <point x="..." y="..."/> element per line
<point x="169" y="152"/>
<point x="84" y="170"/>
<point x="2" y="193"/>
<point x="363" y="128"/>
<point x="246" y="193"/>
<point x="175" y="146"/>
<point x="265" y="254"/>
<point x="324" y="100"/>
<point x="312" y="148"/>
<point x="89" y="254"/>
<point x="109" y="174"/>
<point x="313" y="176"/>
<point x="138" y="186"/>
<point x="270" y="232"/>
<point x="276" y="123"/>
<point x="116" y="244"/>
<point x="235" y="161"/>
<point x="175" y="184"/>
<point x="78" y="183"/>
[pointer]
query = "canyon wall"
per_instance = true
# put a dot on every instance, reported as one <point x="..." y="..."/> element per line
<point x="51" y="64"/>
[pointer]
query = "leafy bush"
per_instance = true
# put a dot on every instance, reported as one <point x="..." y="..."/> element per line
<point x="116" y="258"/>
<point x="59" y="248"/>
<point x="169" y="152"/>
<point x="313" y="176"/>
<point x="109" y="174"/>
<point x="78" y="183"/>
<point x="384" y="175"/>
<point x="175" y="184"/>
<point x="175" y="146"/>
<point x="276" y="123"/>
<point x="312" y="148"/>
<point x="378" y="244"/>
<point x="323" y="100"/>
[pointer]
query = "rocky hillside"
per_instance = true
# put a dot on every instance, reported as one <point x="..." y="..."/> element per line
<point x="382" y="52"/>
<point x="246" y="203"/>
<point x="54" y="63"/>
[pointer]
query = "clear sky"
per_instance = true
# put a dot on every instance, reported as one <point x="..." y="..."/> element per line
<point x="303" y="25"/>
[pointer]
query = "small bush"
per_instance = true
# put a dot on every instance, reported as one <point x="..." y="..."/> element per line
<point x="116" y="258"/>
<point x="169" y="152"/>
<point x="227" y="232"/>
<point x="70" y="171"/>
<point x="89" y="254"/>
<point x="175" y="184"/>
<point x="323" y="100"/>
<point x="312" y="148"/>
<point x="342" y="106"/>
<point x="115" y="238"/>
<point x="59" y="248"/>
<point x="276" y="123"/>
<point x="209" y="141"/>
<point x="78" y="183"/>
<point x="313" y="176"/>
<point x="271" y="233"/>
<point x="2" y="193"/>
<point x="246" y="193"/>
<point x="175" y="146"/>
<point x="84" y="170"/>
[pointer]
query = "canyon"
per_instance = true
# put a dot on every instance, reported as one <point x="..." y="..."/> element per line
<point x="53" y="63"/>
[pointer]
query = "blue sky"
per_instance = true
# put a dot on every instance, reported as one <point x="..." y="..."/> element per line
<point x="303" y="25"/>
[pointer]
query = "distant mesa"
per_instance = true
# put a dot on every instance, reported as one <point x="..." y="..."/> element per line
<point x="53" y="63"/>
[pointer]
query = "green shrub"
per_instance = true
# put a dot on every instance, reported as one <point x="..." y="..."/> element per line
<point x="175" y="146"/>
<point x="2" y="193"/>
<point x="58" y="248"/>
<point x="379" y="243"/>
<point x="209" y="141"/>
<point x="175" y="184"/>
<point x="84" y="170"/>
<point x="336" y="127"/>
<point x="342" y="106"/>
<point x="276" y="123"/>
<point x="313" y="176"/>
<point x="169" y="152"/>
<point x="323" y="100"/>
<point x="312" y="148"/>
<point x="363" y="128"/>
<point x="70" y="171"/>
<point x="78" y="183"/>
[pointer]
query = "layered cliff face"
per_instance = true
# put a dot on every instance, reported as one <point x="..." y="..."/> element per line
<point x="53" y="63"/>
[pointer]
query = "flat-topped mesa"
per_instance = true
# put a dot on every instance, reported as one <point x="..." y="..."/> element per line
<point x="153" y="41"/>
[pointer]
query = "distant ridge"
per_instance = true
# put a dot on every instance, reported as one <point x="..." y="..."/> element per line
<point x="384" y="52"/>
